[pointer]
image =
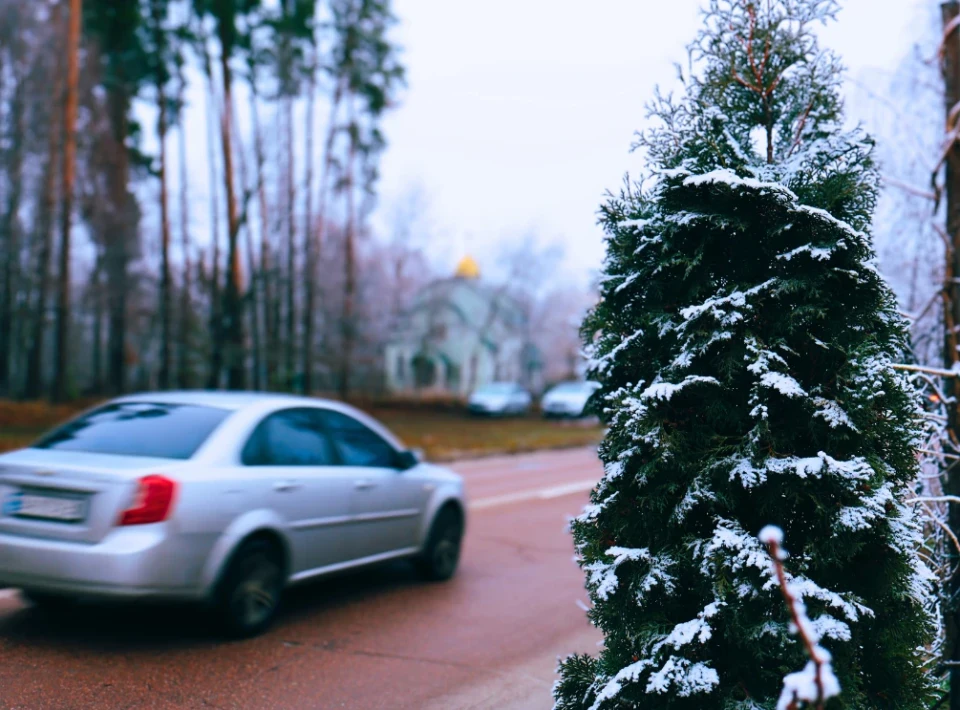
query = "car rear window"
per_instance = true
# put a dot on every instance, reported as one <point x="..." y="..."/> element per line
<point x="151" y="429"/>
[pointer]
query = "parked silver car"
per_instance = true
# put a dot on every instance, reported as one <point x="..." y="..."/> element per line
<point x="568" y="399"/>
<point x="500" y="399"/>
<point x="219" y="497"/>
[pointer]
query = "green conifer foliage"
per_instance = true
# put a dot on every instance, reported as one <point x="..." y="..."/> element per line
<point x="745" y="343"/>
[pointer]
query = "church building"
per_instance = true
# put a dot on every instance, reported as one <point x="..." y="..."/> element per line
<point x="459" y="334"/>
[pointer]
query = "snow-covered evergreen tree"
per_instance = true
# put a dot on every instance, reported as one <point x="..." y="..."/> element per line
<point x="744" y="341"/>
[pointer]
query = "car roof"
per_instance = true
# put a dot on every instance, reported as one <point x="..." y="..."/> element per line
<point x="224" y="400"/>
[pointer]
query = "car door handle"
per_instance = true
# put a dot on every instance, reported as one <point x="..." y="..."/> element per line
<point x="364" y="485"/>
<point x="285" y="486"/>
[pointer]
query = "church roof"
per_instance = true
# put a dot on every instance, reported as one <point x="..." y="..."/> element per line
<point x="475" y="302"/>
<point x="467" y="269"/>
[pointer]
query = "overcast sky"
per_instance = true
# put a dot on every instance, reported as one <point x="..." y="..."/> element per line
<point x="519" y="113"/>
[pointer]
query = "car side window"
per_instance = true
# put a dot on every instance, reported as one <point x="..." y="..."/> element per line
<point x="357" y="444"/>
<point x="292" y="437"/>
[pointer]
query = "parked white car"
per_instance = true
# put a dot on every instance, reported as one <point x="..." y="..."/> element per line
<point x="219" y="497"/>
<point x="500" y="399"/>
<point x="568" y="399"/>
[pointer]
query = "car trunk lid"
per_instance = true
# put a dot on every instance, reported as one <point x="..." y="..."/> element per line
<point x="69" y="495"/>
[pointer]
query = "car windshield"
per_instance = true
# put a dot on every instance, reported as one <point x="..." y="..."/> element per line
<point x="150" y="429"/>
<point x="497" y="388"/>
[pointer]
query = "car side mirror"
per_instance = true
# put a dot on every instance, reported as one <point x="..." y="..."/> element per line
<point x="408" y="459"/>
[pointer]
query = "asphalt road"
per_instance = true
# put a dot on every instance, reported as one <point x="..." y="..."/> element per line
<point x="381" y="638"/>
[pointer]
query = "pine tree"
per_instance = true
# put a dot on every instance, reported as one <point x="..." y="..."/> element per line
<point x="745" y="342"/>
<point x="366" y="69"/>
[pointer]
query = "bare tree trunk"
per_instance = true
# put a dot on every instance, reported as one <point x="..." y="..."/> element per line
<point x="951" y="486"/>
<point x="33" y="381"/>
<point x="316" y="236"/>
<point x="216" y="344"/>
<point x="61" y="380"/>
<point x="279" y="277"/>
<point x="186" y="315"/>
<point x="349" y="283"/>
<point x="264" y="279"/>
<point x="232" y="311"/>
<point x="166" y="296"/>
<point x="96" y="374"/>
<point x="6" y="287"/>
<point x="33" y="386"/>
<point x="251" y="294"/>
<point x="215" y="365"/>
<point x="251" y="297"/>
<point x="309" y="265"/>
<point x="291" y="320"/>
<point x="11" y="230"/>
<point x="118" y="247"/>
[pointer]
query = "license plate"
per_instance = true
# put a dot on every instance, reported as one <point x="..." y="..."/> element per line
<point x="44" y="507"/>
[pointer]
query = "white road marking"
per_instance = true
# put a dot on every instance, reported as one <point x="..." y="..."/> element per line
<point x="569" y="489"/>
<point x="538" y="494"/>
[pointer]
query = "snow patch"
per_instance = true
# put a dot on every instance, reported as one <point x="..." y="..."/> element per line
<point x="731" y="179"/>
<point x="683" y="677"/>
<point x="603" y="575"/>
<point x="636" y="224"/>
<point x="664" y="391"/>
<point x="602" y="364"/>
<point x="630" y="674"/>
<point x="784" y="384"/>
<point x="816" y="253"/>
<point x="802" y="685"/>
<point x="833" y="414"/>
<point x="698" y="629"/>
<point x="770" y="535"/>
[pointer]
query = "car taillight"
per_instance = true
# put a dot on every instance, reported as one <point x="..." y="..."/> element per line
<point x="153" y="502"/>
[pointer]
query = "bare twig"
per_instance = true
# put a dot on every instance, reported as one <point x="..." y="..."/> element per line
<point x="911" y="189"/>
<point x="824" y="680"/>
<point x="940" y="454"/>
<point x="947" y="31"/>
<point x="936" y="499"/>
<point x="943" y="526"/>
<point x="939" y="372"/>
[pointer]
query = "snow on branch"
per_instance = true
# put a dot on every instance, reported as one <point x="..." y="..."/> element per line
<point x="935" y="371"/>
<point x="816" y="683"/>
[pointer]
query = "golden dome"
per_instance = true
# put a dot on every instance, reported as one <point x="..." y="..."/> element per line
<point x="467" y="269"/>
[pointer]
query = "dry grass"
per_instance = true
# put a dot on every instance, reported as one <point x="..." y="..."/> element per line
<point x="446" y="436"/>
<point x="36" y="415"/>
<point x="443" y="430"/>
<point x="22" y="422"/>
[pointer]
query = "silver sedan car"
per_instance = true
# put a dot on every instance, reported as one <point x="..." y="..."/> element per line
<point x="219" y="497"/>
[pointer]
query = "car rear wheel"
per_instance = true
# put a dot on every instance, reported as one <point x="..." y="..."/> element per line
<point x="440" y="557"/>
<point x="47" y="601"/>
<point x="249" y="593"/>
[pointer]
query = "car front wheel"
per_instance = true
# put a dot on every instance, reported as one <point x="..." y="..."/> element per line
<point x="441" y="555"/>
<point x="249" y="594"/>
